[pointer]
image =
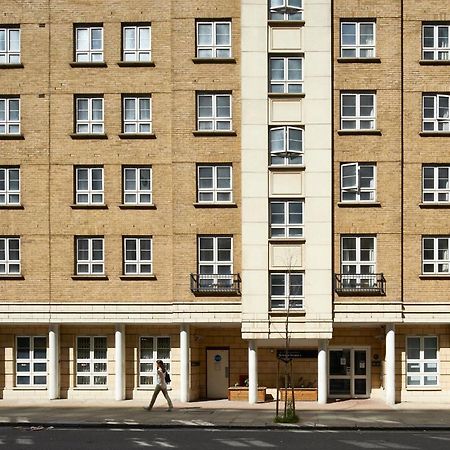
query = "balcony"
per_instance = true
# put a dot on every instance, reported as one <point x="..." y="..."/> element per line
<point x="368" y="284"/>
<point x="216" y="284"/>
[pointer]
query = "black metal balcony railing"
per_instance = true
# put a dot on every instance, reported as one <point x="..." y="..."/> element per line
<point x="368" y="284"/>
<point x="215" y="283"/>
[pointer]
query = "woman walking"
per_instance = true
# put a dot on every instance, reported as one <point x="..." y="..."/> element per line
<point x="160" y="386"/>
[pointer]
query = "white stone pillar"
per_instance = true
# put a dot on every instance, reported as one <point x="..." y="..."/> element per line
<point x="389" y="381"/>
<point x="322" y="372"/>
<point x="252" y="372"/>
<point x="53" y="362"/>
<point x="119" y="391"/>
<point x="184" y="363"/>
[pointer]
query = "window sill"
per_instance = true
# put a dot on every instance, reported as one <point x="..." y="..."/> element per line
<point x="285" y="95"/>
<point x="138" y="277"/>
<point x="149" y="206"/>
<point x="434" y="133"/>
<point x="12" y="137"/>
<point x="359" y="204"/>
<point x="435" y="205"/>
<point x="434" y="62"/>
<point x="90" y="277"/>
<point x="137" y="136"/>
<point x="136" y="64"/>
<point x="213" y="133"/>
<point x="150" y="388"/>
<point x="88" y="64"/>
<point x="359" y="60"/>
<point x="215" y="205"/>
<point x="286" y="23"/>
<point x="283" y="312"/>
<point x="11" y="207"/>
<point x="90" y="388"/>
<point x="432" y="276"/>
<point x="11" y="277"/>
<point x="11" y="66"/>
<point x="89" y="136"/>
<point x="287" y="240"/>
<point x="291" y="167"/>
<point x="76" y="206"/>
<point x="359" y="132"/>
<point x="424" y="388"/>
<point x="214" y="60"/>
<point x="29" y="388"/>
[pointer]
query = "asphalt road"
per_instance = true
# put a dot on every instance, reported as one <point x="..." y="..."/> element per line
<point x="216" y="439"/>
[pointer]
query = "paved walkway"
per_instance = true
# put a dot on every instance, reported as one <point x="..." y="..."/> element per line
<point x="350" y="414"/>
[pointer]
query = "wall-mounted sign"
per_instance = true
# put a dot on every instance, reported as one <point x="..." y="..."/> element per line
<point x="217" y="358"/>
<point x="297" y="354"/>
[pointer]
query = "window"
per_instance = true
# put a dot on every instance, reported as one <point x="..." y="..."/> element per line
<point x="436" y="256"/>
<point x="358" y="39"/>
<point x="286" y="75"/>
<point x="89" y="43"/>
<point x="92" y="361"/>
<point x="436" y="184"/>
<point x="89" y="184"/>
<point x="9" y="116"/>
<point x="137" y="185"/>
<point x="215" y="263"/>
<point x="214" y="184"/>
<point x="150" y="350"/>
<point x="422" y="361"/>
<point x="9" y="45"/>
<point x="286" y="146"/>
<point x="436" y="44"/>
<point x="89" y="115"/>
<point x="286" y="218"/>
<point x="358" y="262"/>
<point x="137" y="43"/>
<point x="357" y="111"/>
<point x="358" y="182"/>
<point x="213" y="112"/>
<point x="214" y="39"/>
<point x="137" y="256"/>
<point x="286" y="290"/>
<point x="31" y="361"/>
<point x="9" y="186"/>
<point x="286" y="10"/>
<point x="137" y="115"/>
<point x="9" y="256"/>
<point x="436" y="112"/>
<point x="90" y="259"/>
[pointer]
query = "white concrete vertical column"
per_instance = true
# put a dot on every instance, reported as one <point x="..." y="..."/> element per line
<point x="184" y="363"/>
<point x="53" y="362"/>
<point x="389" y="381"/>
<point x="119" y="391"/>
<point x="252" y="372"/>
<point x="322" y="372"/>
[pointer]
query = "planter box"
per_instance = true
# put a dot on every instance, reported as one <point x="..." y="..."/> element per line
<point x="238" y="393"/>
<point x="300" y="394"/>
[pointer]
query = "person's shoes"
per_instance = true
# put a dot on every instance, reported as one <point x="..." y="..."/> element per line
<point x="169" y="410"/>
<point x="147" y="408"/>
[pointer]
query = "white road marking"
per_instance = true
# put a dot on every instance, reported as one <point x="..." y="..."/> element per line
<point x="198" y="423"/>
<point x="439" y="438"/>
<point x="378" y="444"/>
<point x="232" y="443"/>
<point x="257" y="443"/>
<point x="141" y="443"/>
<point x="24" y="441"/>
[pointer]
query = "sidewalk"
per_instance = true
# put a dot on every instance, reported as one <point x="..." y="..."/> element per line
<point x="350" y="414"/>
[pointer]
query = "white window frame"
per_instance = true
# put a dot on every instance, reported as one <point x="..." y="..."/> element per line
<point x="437" y="193"/>
<point x="296" y="300"/>
<point x="90" y="193"/>
<point x="439" y="121"/>
<point x="435" y="52"/>
<point x="8" y="194"/>
<point x="8" y="124"/>
<point x="147" y="369"/>
<point x="285" y="83"/>
<point x="440" y="261"/>
<point x="287" y="229"/>
<point x="8" y="264"/>
<point x="286" y="9"/>
<point x="91" y="373"/>
<point x="90" y="262"/>
<point x="138" y="262"/>
<point x="215" y="272"/>
<point x="355" y="188"/>
<point x="358" y="47"/>
<point x="213" y="48"/>
<point x="421" y="363"/>
<point x="359" y="119"/>
<point x="89" y="54"/>
<point x="286" y="151"/>
<point x="350" y="267"/>
<point x="31" y="361"/>
<point x="9" y="55"/>
<point x="215" y="193"/>
<point x="138" y="124"/>
<point x="138" y="193"/>
<point x="214" y="122"/>
<point x="90" y="122"/>
<point x="137" y="53"/>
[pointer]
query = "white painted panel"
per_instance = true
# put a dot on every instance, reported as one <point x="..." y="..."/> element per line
<point x="285" y="111"/>
<point x="285" y="256"/>
<point x="286" y="183"/>
<point x="285" y="39"/>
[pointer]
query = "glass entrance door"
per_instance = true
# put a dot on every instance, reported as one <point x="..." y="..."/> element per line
<point x="348" y="373"/>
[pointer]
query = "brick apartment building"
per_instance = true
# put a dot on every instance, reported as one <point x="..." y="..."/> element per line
<point x="175" y="178"/>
